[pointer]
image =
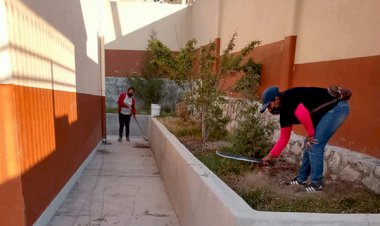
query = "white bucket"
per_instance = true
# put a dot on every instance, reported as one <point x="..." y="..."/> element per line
<point x="155" y="110"/>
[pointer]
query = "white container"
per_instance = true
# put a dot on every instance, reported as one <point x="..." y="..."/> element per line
<point x="155" y="110"/>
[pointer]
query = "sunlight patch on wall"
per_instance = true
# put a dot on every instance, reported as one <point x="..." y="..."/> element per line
<point x="5" y="69"/>
<point x="42" y="59"/>
<point x="91" y="23"/>
<point x="133" y="16"/>
<point x="9" y="160"/>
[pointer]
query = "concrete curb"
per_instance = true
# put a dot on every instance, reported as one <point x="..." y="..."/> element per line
<point x="199" y="197"/>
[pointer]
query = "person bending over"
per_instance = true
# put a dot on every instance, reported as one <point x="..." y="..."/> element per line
<point x="294" y="107"/>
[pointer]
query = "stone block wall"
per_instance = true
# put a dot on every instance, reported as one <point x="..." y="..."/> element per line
<point x="340" y="163"/>
<point x="170" y="95"/>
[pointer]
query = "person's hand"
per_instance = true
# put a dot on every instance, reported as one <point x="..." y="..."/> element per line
<point x="310" y="140"/>
<point x="267" y="159"/>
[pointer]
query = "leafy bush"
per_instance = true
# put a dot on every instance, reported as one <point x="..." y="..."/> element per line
<point x="248" y="84"/>
<point x="216" y="122"/>
<point x="253" y="137"/>
<point x="148" y="89"/>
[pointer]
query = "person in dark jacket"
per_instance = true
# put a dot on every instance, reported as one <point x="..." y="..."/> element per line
<point x="126" y="109"/>
<point x="294" y="107"/>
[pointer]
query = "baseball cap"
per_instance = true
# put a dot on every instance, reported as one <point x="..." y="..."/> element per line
<point x="269" y="94"/>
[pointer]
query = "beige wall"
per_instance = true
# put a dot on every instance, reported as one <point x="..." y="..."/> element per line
<point x="128" y="25"/>
<point x="267" y="21"/>
<point x="203" y="17"/>
<point x="341" y="29"/>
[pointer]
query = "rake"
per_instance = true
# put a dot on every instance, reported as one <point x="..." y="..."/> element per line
<point x="144" y="137"/>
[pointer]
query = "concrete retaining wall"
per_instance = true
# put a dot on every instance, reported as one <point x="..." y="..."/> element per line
<point x="200" y="198"/>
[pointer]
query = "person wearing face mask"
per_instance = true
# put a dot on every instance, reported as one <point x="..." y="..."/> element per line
<point x="294" y="106"/>
<point x="126" y="103"/>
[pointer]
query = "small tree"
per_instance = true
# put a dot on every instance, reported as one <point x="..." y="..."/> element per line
<point x="148" y="86"/>
<point x="253" y="135"/>
<point x="203" y="83"/>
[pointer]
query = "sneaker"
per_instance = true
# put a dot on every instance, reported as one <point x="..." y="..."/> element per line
<point x="295" y="182"/>
<point x="119" y="140"/>
<point x="313" y="188"/>
<point x="127" y="139"/>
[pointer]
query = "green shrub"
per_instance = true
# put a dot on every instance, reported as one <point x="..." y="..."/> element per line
<point x="253" y="137"/>
<point x="111" y="110"/>
<point x="216" y="123"/>
<point x="148" y="89"/>
<point x="250" y="80"/>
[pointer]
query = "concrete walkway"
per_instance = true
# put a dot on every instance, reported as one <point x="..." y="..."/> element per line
<point x="121" y="186"/>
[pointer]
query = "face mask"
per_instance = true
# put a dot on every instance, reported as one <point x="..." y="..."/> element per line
<point x="130" y="94"/>
<point x="275" y="111"/>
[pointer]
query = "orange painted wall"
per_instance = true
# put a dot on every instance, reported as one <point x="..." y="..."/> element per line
<point x="120" y="63"/>
<point x="47" y="125"/>
<point x="276" y="59"/>
<point x="361" y="131"/>
<point x="11" y="197"/>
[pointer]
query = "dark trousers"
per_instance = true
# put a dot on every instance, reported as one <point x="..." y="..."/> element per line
<point x="124" y="120"/>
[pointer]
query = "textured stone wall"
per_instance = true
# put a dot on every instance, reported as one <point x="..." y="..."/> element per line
<point x="170" y="94"/>
<point x="339" y="163"/>
<point x="232" y="109"/>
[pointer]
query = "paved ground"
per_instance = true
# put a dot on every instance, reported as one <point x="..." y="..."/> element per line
<point x="121" y="186"/>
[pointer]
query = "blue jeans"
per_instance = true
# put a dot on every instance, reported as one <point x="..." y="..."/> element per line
<point x="312" y="161"/>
